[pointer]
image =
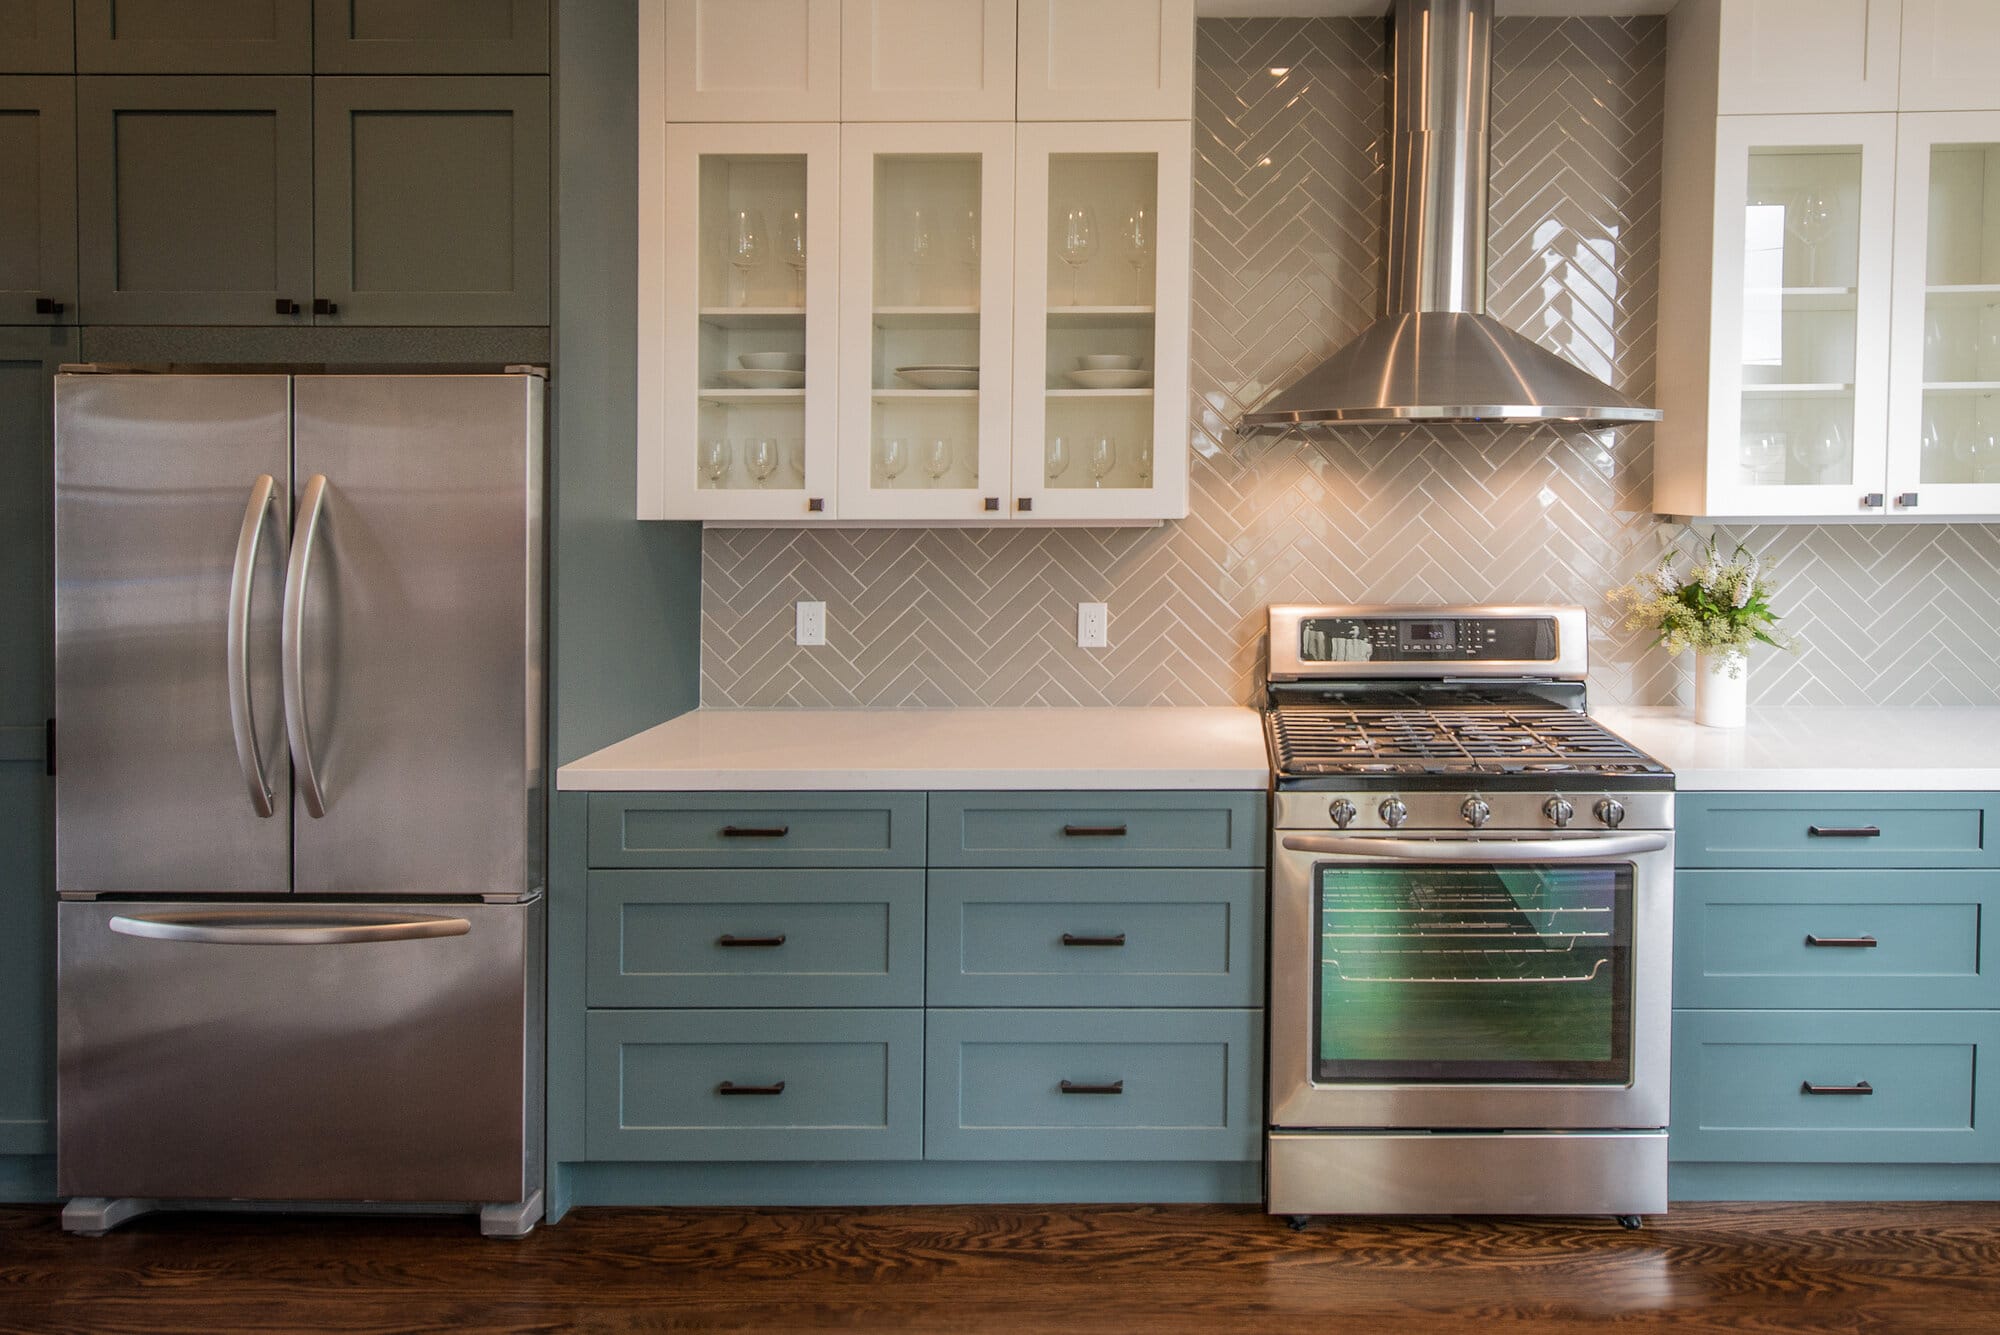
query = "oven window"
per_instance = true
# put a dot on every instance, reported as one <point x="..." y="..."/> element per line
<point x="1459" y="974"/>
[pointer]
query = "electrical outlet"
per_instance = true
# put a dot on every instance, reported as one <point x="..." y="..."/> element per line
<point x="1093" y="626"/>
<point x="812" y="623"/>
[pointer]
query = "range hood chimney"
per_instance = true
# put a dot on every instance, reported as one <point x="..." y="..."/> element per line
<point x="1436" y="356"/>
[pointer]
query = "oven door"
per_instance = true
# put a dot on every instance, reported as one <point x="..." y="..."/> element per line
<point x="1483" y="983"/>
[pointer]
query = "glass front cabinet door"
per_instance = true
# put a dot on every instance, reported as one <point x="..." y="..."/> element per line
<point x="1799" y="352"/>
<point x="1101" y="321"/>
<point x="1944" y="406"/>
<point x="738" y="341"/>
<point x="928" y="231"/>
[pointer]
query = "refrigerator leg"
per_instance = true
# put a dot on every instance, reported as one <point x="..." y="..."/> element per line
<point x="515" y="1219"/>
<point x="94" y="1216"/>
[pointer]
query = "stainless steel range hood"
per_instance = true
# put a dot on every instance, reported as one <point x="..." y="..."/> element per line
<point x="1436" y="356"/>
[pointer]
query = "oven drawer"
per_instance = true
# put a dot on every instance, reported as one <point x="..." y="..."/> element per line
<point x="756" y="938"/>
<point x="1093" y="1084"/>
<point x="1808" y="939"/>
<point x="1741" y="1078"/>
<point x="1096" y="938"/>
<point x="1087" y="829"/>
<point x="831" y="1084"/>
<point x="756" y="829"/>
<point x="1858" y="830"/>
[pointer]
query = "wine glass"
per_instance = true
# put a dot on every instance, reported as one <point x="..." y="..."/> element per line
<point x="965" y="239"/>
<point x="1103" y="458"/>
<point x="1079" y="244"/>
<point x="1055" y="459"/>
<point x="1136" y="235"/>
<point x="1813" y="221"/>
<point x="760" y="457"/>
<point x="1146" y="463"/>
<point x="795" y="457"/>
<point x="1821" y="450"/>
<point x="1762" y="454"/>
<point x="1978" y="452"/>
<point x="895" y="457"/>
<point x="749" y="244"/>
<point x="937" y="458"/>
<point x="715" y="457"/>
<point x="792" y="248"/>
<point x="922" y="245"/>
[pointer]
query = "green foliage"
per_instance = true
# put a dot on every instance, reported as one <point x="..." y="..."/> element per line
<point x="1719" y="605"/>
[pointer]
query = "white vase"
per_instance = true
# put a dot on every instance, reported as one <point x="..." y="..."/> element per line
<point x="1721" y="699"/>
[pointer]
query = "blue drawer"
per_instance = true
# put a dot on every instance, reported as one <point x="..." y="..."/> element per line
<point x="1094" y="1084"/>
<point x="1096" y="938"/>
<point x="756" y="829"/>
<point x="1087" y="829"/>
<point x="1739" y="1083"/>
<point x="1835" y="830"/>
<point x="1796" y="939"/>
<point x="836" y="1084"/>
<point x="756" y="938"/>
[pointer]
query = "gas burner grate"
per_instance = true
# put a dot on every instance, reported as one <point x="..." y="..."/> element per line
<point x="1319" y="738"/>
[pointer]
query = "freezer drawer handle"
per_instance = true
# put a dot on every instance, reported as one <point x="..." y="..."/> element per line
<point x="1070" y="1087"/>
<point x="1851" y="942"/>
<point x="1069" y="940"/>
<point x="731" y="1087"/>
<point x="239" y="927"/>
<point x="1844" y="831"/>
<point x="755" y="831"/>
<point x="242" y="579"/>
<point x="1094" y="831"/>
<point x="727" y="940"/>
<point x="297" y="573"/>
<point x="1858" y="1087"/>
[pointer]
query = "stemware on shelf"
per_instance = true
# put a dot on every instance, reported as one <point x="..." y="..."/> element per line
<point x="965" y="239"/>
<point x="895" y="457"/>
<point x="937" y="457"/>
<point x="1055" y="459"/>
<point x="792" y="249"/>
<point x="795" y="456"/>
<point x="749" y="245"/>
<point x="1079" y="244"/>
<point x="1146" y="462"/>
<point x="1820" y="452"/>
<point x="761" y="457"/>
<point x="1814" y="219"/>
<point x="715" y="456"/>
<point x="1762" y="454"/>
<point x="921" y="245"/>
<point x="1136" y="235"/>
<point x="1986" y="344"/>
<point x="1103" y="458"/>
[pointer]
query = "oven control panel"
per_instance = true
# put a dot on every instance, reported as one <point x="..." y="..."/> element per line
<point x="1398" y="639"/>
<point x="1460" y="811"/>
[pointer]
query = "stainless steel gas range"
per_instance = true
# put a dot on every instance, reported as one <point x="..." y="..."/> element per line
<point x="1471" y="922"/>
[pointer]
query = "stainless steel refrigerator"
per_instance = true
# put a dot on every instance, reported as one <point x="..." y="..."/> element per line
<point x="299" y="807"/>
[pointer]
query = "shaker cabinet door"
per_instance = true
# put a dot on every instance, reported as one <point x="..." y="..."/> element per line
<point x="927" y="60"/>
<point x="1106" y="60"/>
<point x="1808" y="56"/>
<point x="35" y="37"/>
<point x="1950" y="50"/>
<point x="194" y="36"/>
<point x="38" y="203"/>
<point x="196" y="200"/>
<point x="439" y="37"/>
<point x="432" y="200"/>
<point x="746" y="60"/>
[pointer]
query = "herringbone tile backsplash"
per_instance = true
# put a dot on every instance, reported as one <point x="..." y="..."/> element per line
<point x="1290" y="119"/>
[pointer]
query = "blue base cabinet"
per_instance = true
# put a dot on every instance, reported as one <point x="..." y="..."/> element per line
<point x="870" y="998"/>
<point x="1837" y="997"/>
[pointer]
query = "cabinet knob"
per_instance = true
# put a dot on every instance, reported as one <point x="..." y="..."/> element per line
<point x="993" y="502"/>
<point x="1872" y="501"/>
<point x="1907" y="501"/>
<point x="286" y="306"/>
<point x="817" y="505"/>
<point x="1025" y="504"/>
<point x="321" y="306"/>
<point x="49" y="306"/>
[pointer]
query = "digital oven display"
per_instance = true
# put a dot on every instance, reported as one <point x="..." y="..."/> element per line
<point x="1434" y="637"/>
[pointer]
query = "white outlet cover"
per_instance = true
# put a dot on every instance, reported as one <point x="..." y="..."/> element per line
<point x="1093" y="626"/>
<point x="812" y="623"/>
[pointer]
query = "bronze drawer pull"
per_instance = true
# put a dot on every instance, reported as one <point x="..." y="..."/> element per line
<point x="1844" y="831"/>
<point x="1094" y="831"/>
<point x="727" y="940"/>
<point x="731" y="1087"/>
<point x="1853" y="942"/>
<point x="755" y="831"/>
<point x="1858" y="1087"/>
<point x="1115" y="1087"/>
<point x="1069" y="940"/>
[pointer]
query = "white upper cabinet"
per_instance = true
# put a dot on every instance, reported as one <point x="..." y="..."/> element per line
<point x="751" y="60"/>
<point x="1107" y="60"/>
<point x="1951" y="55"/>
<point x="1804" y="56"/>
<point x="927" y="60"/>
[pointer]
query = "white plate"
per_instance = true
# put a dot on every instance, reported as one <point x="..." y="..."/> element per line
<point x="1110" y="379"/>
<point x="940" y="377"/>
<point x="1108" y="361"/>
<point x="764" y="379"/>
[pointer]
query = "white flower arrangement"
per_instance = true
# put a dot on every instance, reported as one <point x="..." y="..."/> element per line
<point x="1719" y="606"/>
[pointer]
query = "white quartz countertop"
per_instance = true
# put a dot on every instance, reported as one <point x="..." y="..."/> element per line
<point x="916" y="749"/>
<point x="1828" y="749"/>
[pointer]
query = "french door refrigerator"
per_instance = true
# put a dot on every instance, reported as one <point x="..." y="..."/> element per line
<point x="299" y="808"/>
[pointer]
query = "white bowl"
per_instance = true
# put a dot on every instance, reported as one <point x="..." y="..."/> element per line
<point x="773" y="361"/>
<point x="940" y="377"/>
<point x="1108" y="361"/>
<point x="1109" y="379"/>
<point x="763" y="379"/>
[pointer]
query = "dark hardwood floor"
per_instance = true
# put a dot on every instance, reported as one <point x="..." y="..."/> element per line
<point x="1156" y="1270"/>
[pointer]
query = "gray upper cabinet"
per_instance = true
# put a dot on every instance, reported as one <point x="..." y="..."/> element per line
<point x="194" y="36"/>
<point x="196" y="200"/>
<point x="35" y="37"/>
<point x="436" y="37"/>
<point x="432" y="200"/>
<point x="38" y="201"/>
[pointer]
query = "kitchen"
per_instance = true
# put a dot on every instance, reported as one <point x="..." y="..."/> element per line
<point x="1274" y="233"/>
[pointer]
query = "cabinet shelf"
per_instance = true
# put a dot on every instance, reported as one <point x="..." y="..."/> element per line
<point x="1804" y="298"/>
<point x="926" y="317"/>
<point x="888" y="394"/>
<point x="754" y="317"/>
<point x="1963" y="294"/>
<point x="1100" y="393"/>
<point x="753" y="396"/>
<point x="1829" y="391"/>
<point x="1962" y="387"/>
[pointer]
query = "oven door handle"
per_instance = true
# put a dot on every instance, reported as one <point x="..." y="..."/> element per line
<point x="1590" y="848"/>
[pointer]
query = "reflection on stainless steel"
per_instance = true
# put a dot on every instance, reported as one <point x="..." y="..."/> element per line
<point x="1436" y="356"/>
<point x="288" y="927"/>
<point x="1623" y="1173"/>
<point x="298" y="576"/>
<point x="242" y="590"/>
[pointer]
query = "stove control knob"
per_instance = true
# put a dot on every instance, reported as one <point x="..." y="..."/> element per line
<point x="1394" y="811"/>
<point x="1343" y="813"/>
<point x="1476" y="812"/>
<point x="1610" y="811"/>
<point x="1559" y="810"/>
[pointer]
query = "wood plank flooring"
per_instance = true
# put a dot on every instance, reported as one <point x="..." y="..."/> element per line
<point x="1155" y="1270"/>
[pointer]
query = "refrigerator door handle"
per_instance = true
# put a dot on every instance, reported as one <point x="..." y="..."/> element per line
<point x="298" y="570"/>
<point x="312" y="927"/>
<point x="242" y="714"/>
